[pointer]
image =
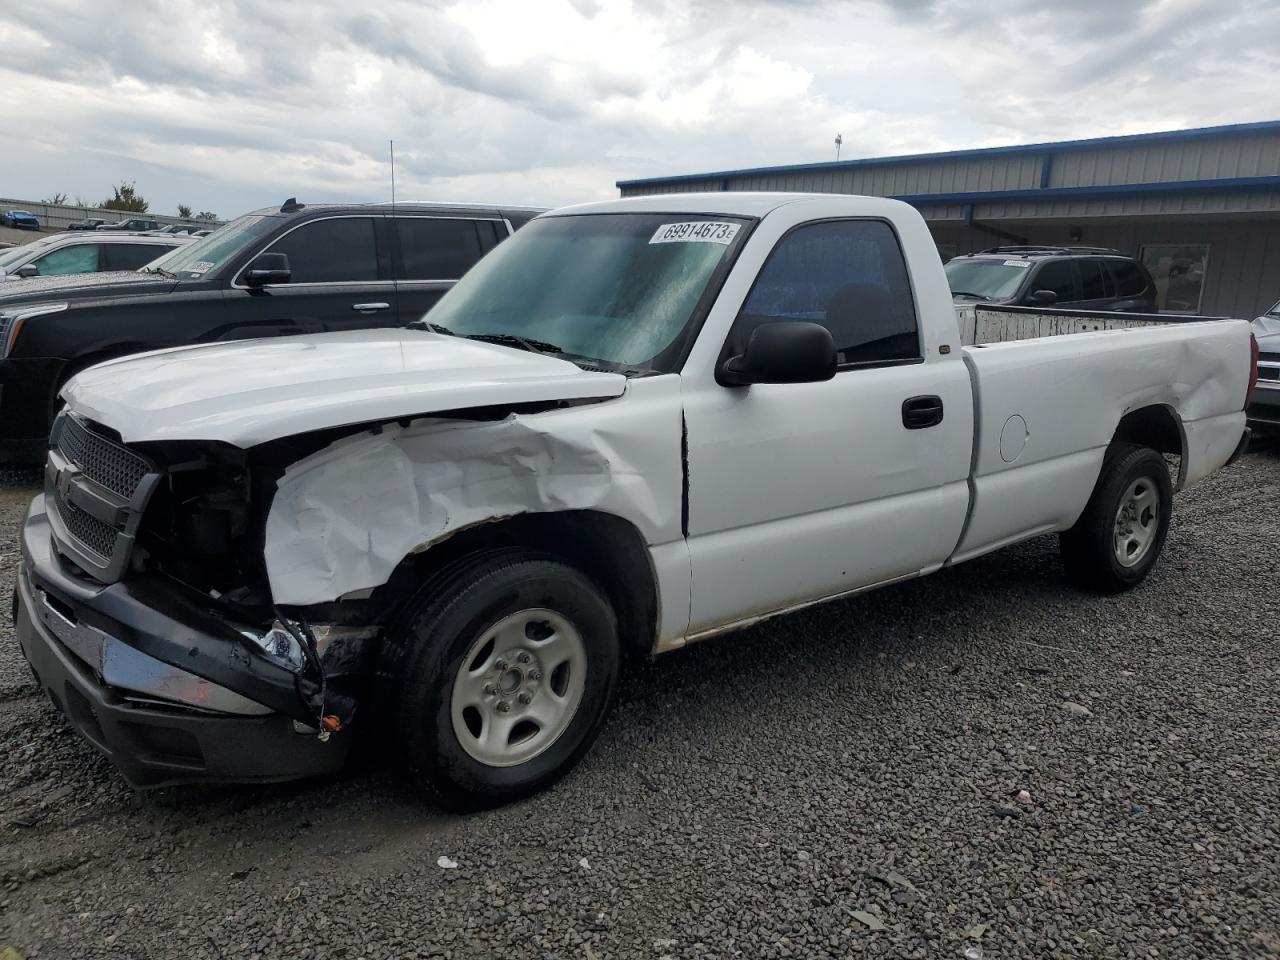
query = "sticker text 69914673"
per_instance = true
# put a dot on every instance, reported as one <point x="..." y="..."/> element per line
<point x="696" y="231"/>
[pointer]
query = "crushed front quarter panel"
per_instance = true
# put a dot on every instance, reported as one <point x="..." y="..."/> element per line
<point x="343" y="518"/>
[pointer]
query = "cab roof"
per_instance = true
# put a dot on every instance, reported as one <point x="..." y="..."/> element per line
<point x="731" y="203"/>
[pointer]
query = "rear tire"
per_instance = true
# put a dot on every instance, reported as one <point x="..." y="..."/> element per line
<point x="499" y="680"/>
<point x="1118" y="538"/>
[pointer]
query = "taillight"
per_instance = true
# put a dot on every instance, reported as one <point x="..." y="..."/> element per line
<point x="1253" y="368"/>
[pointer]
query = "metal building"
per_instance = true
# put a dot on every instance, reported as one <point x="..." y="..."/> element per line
<point x="1200" y="207"/>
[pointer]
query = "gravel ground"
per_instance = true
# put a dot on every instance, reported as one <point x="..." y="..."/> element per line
<point x="842" y="781"/>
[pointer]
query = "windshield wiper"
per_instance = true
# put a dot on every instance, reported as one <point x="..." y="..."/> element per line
<point x="511" y="340"/>
<point x="160" y="270"/>
<point x="434" y="327"/>
<point x="966" y="293"/>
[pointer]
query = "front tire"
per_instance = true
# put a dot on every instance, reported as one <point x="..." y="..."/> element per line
<point x="1118" y="538"/>
<point x="499" y="681"/>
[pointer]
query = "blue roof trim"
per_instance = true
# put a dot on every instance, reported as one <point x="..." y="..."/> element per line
<point x="1168" y="136"/>
<point x="1184" y="187"/>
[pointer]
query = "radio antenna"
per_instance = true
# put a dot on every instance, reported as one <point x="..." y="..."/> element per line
<point x="393" y="175"/>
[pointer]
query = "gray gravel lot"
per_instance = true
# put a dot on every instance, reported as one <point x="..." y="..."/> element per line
<point x="779" y="793"/>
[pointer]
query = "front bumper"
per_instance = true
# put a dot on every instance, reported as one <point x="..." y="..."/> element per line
<point x="159" y="723"/>
<point x="1264" y="409"/>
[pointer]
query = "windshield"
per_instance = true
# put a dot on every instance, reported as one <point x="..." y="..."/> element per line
<point x="986" y="279"/>
<point x="1274" y="311"/>
<point x="619" y="288"/>
<point x="208" y="254"/>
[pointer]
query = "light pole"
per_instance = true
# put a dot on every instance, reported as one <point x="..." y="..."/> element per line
<point x="839" y="140"/>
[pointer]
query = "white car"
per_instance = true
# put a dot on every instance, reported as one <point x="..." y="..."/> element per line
<point x="632" y="426"/>
<point x="1264" y="405"/>
<point x="88" y="252"/>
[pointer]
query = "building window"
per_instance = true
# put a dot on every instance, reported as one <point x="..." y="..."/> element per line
<point x="1178" y="270"/>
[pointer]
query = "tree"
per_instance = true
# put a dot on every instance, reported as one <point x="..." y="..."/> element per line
<point x="57" y="200"/>
<point x="126" y="198"/>
<point x="184" y="211"/>
<point x="208" y="215"/>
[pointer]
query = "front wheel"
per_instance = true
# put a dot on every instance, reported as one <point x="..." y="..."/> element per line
<point x="501" y="679"/>
<point x="1118" y="538"/>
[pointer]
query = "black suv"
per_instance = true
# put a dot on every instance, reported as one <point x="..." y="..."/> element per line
<point x="297" y="269"/>
<point x="1081" y="278"/>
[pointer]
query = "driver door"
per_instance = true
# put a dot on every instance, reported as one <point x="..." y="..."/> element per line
<point x="803" y="491"/>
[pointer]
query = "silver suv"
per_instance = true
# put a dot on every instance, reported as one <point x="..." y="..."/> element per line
<point x="67" y="253"/>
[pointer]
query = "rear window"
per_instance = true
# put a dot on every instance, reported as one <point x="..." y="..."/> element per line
<point x="1095" y="282"/>
<point x="1130" y="280"/>
<point x="131" y="256"/>
<point x="436" y="248"/>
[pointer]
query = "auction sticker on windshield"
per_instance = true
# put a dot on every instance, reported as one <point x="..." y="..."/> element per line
<point x="1017" y="263"/>
<point x="696" y="231"/>
<point x="200" y="266"/>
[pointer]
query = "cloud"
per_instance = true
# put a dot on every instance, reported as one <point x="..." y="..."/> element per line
<point x="233" y="104"/>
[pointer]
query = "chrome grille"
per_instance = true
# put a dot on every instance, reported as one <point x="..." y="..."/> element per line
<point x="90" y="531"/>
<point x="102" y="460"/>
<point x="96" y="490"/>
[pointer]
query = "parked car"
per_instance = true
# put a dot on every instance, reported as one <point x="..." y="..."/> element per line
<point x="21" y="219"/>
<point x="178" y="228"/>
<point x="133" y="225"/>
<point x="1264" y="402"/>
<point x="1080" y="278"/>
<point x="635" y="425"/>
<point x="297" y="269"/>
<point x="89" y="223"/>
<point x="64" y="254"/>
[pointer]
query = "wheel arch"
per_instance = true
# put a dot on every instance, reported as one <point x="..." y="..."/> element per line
<point x="604" y="547"/>
<point x="1157" y="426"/>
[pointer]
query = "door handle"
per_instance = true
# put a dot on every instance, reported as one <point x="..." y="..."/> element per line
<point x="370" y="307"/>
<point x="921" y="412"/>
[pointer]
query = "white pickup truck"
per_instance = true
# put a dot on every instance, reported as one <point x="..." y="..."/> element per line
<point x="632" y="426"/>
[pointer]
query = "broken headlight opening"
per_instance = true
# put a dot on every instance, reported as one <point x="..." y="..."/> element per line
<point x="312" y="654"/>
<point x="280" y="645"/>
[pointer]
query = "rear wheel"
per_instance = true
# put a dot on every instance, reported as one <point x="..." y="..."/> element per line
<point x="1118" y="538"/>
<point x="501" y="679"/>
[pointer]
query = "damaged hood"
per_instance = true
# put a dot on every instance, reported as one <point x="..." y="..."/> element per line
<point x="252" y="391"/>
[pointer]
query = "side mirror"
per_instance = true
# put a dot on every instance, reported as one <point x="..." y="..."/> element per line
<point x="1042" y="298"/>
<point x="29" y="270"/>
<point x="785" y="351"/>
<point x="268" y="268"/>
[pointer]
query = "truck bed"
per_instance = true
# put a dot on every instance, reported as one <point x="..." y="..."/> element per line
<point x="1051" y="388"/>
<point x="981" y="324"/>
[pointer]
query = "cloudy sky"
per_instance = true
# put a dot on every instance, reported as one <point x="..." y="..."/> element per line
<point x="231" y="104"/>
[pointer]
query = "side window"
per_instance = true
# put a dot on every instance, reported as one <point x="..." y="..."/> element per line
<point x="342" y="249"/>
<point x="1130" y="280"/>
<point x="434" y="248"/>
<point x="82" y="258"/>
<point x="131" y="256"/>
<point x="847" y="275"/>
<point x="492" y="233"/>
<point x="1095" y="282"/>
<point x="1055" y="275"/>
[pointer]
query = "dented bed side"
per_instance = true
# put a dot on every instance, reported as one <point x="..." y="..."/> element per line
<point x="1047" y="408"/>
